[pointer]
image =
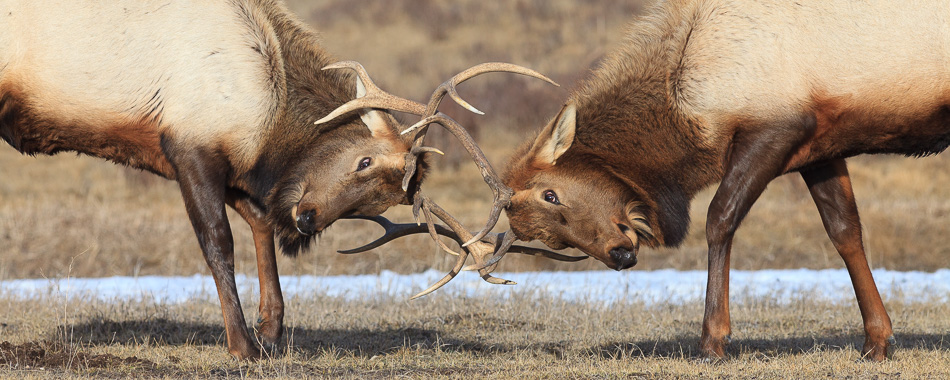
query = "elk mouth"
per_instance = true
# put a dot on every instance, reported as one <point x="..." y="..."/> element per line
<point x="309" y="223"/>
<point x="623" y="258"/>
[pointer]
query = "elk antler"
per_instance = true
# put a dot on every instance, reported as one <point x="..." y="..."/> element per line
<point x="395" y="231"/>
<point x="370" y="96"/>
<point x="502" y="193"/>
<point x="448" y="88"/>
<point x="500" y="244"/>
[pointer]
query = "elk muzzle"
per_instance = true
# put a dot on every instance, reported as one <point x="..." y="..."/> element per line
<point x="623" y="258"/>
<point x="307" y="222"/>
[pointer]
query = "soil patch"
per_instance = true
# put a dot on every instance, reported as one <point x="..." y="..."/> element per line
<point x="50" y="355"/>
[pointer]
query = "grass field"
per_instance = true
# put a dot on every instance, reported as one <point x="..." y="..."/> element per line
<point x="447" y="337"/>
<point x="80" y="217"/>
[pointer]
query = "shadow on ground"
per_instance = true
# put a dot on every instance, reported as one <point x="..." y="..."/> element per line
<point x="359" y="342"/>
<point x="367" y="343"/>
<point x="688" y="346"/>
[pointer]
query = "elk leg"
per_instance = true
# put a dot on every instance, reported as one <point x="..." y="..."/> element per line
<point x="758" y="156"/>
<point x="270" y="320"/>
<point x="830" y="187"/>
<point x="201" y="176"/>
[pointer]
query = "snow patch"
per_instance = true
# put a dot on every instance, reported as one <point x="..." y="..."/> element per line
<point x="648" y="287"/>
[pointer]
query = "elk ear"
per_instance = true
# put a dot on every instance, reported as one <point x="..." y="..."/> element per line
<point x="375" y="120"/>
<point x="556" y="137"/>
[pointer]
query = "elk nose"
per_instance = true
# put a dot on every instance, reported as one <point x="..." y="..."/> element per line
<point x="624" y="258"/>
<point x="307" y="222"/>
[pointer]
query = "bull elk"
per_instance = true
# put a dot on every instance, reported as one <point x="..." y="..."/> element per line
<point x="220" y="96"/>
<point x="739" y="93"/>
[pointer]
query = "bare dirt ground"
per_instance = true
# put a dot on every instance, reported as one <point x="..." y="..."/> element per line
<point x="75" y="216"/>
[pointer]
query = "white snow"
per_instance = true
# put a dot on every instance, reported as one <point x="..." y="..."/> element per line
<point x="648" y="287"/>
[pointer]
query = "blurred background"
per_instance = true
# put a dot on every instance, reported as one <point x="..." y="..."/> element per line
<point x="82" y="217"/>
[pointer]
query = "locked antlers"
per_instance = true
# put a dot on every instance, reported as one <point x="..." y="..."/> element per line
<point x="487" y="249"/>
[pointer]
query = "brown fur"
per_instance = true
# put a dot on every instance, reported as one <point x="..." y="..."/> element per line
<point x="739" y="92"/>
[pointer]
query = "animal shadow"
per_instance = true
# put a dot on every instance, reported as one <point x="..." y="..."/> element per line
<point x="687" y="347"/>
<point x="358" y="341"/>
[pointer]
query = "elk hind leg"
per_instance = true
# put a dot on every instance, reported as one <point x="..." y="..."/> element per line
<point x="830" y="187"/>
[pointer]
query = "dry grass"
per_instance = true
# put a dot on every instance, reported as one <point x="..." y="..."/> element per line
<point x="442" y="337"/>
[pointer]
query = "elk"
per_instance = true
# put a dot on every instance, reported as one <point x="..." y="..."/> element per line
<point x="735" y="93"/>
<point x="220" y="96"/>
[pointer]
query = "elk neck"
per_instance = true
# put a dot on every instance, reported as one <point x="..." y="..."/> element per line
<point x="630" y="118"/>
<point x="311" y="94"/>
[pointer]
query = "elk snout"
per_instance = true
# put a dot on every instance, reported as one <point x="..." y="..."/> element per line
<point x="307" y="218"/>
<point x="623" y="258"/>
<point x="307" y="222"/>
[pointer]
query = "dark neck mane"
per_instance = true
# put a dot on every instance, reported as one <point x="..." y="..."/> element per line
<point x="311" y="93"/>
<point x="628" y="118"/>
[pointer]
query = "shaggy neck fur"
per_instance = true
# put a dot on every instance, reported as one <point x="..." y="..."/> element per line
<point x="311" y="94"/>
<point x="628" y="118"/>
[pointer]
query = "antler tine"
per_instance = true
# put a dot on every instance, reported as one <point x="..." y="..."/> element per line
<point x="417" y="150"/>
<point x="394" y="231"/>
<point x="530" y="251"/>
<point x="448" y="88"/>
<point x="445" y="280"/>
<point x="432" y="232"/>
<point x="507" y="239"/>
<point x="397" y="230"/>
<point x="502" y="193"/>
<point x="374" y="97"/>
<point x="463" y="233"/>
<point x="423" y="203"/>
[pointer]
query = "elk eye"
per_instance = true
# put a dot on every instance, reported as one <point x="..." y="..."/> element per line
<point x="551" y="197"/>
<point x="364" y="163"/>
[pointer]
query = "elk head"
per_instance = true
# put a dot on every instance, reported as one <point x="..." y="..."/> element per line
<point x="352" y="172"/>
<point x="356" y="167"/>
<point x="568" y="198"/>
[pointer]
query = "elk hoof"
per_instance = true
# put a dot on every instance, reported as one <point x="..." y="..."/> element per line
<point x="714" y="350"/>
<point x="268" y="336"/>
<point x="878" y="351"/>
<point x="246" y="353"/>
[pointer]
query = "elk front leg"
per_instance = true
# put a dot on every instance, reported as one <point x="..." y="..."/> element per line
<point x="201" y="176"/>
<point x="830" y="187"/>
<point x="758" y="155"/>
<point x="270" y="321"/>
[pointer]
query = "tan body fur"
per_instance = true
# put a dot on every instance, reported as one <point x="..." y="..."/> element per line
<point x="198" y="79"/>
<point x="879" y="68"/>
<point x="736" y="92"/>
